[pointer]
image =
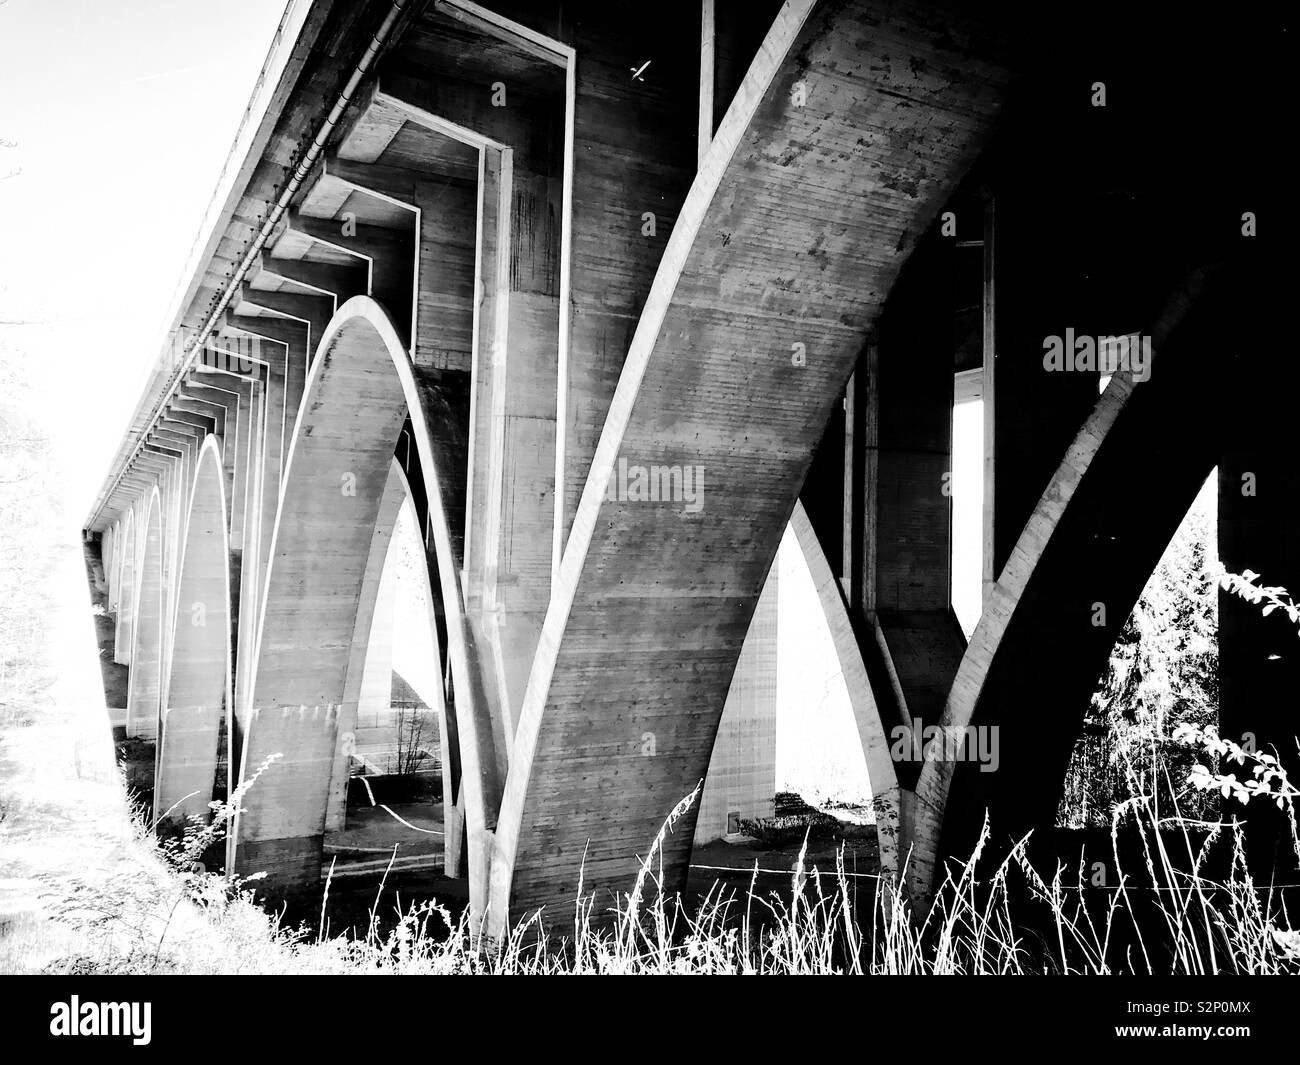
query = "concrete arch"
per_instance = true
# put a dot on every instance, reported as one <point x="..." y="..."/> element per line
<point x="198" y="689"/>
<point x="651" y="605"/>
<point x="125" y="568"/>
<point x="144" y="684"/>
<point x="1035" y="656"/>
<point x="359" y="392"/>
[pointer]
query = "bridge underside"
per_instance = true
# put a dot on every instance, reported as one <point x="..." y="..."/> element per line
<point x="609" y="329"/>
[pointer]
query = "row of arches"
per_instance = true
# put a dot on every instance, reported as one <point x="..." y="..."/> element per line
<point x="173" y="630"/>
<point x="343" y="491"/>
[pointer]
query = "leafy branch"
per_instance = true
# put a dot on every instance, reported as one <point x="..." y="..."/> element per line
<point x="1274" y="596"/>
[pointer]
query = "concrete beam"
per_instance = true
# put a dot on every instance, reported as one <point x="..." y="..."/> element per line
<point x="205" y="422"/>
<point x="341" y="282"/>
<point x="315" y="310"/>
<point x="200" y="408"/>
<point x="388" y="254"/>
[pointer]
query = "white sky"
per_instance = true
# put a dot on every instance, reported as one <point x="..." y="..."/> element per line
<point x="123" y="112"/>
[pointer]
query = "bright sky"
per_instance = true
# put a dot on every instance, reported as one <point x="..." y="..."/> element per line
<point x="120" y="113"/>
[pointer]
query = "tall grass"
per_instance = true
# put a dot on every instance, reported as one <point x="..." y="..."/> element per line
<point x="1165" y="915"/>
<point x="1178" y="896"/>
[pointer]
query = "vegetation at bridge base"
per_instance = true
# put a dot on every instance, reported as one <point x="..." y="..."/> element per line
<point x="1162" y="675"/>
<point x="1164" y="913"/>
<point x="26" y="508"/>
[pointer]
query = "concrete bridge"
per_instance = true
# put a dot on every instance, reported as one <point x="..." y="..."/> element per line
<point x="613" y="296"/>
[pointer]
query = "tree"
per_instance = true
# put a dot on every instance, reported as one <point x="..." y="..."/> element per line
<point x="1162" y="673"/>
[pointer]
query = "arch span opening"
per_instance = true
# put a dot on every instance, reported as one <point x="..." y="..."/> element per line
<point x="125" y="592"/>
<point x="142" y="701"/>
<point x="197" y="694"/>
<point x="361" y="392"/>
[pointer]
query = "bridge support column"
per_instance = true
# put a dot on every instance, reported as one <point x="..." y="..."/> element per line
<point x="292" y="867"/>
<point x="281" y="833"/>
<point x="1035" y="413"/>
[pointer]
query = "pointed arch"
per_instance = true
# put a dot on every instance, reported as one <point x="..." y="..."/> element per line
<point x="107" y="544"/>
<point x="145" y="681"/>
<point x="125" y="592"/>
<point x="361" y="389"/>
<point x="198" y="689"/>
<point x="885" y="793"/>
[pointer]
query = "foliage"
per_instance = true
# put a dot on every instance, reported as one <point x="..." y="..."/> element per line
<point x="25" y="548"/>
<point x="1162" y="674"/>
<point x="1274" y="596"/>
